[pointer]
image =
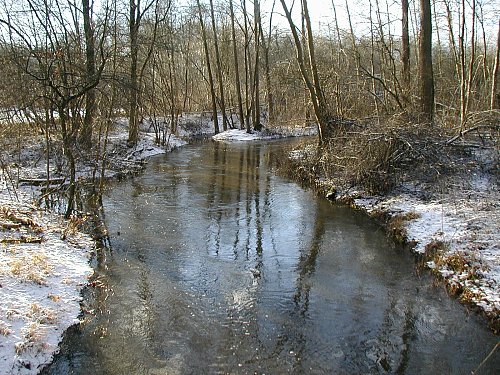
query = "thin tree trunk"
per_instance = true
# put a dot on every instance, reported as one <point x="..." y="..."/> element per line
<point x="405" y="41"/>
<point x="353" y="40"/>
<point x="495" y="95"/>
<point x="90" y="96"/>
<point x="248" y="70"/>
<point x="340" y="51"/>
<point x="256" y="86"/>
<point x="470" y="72"/>
<point x="426" y="74"/>
<point x="236" y="67"/>
<point x="372" y="62"/>
<point x="453" y="43"/>
<point x="133" y="132"/>
<point x="209" y="68"/>
<point x="314" y="87"/>
<point x="266" y="45"/>
<point x="219" y="68"/>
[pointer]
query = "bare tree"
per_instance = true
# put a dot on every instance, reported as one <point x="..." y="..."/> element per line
<point x="219" y="68"/>
<point x="136" y="15"/>
<point x="236" y="66"/>
<point x="318" y="99"/>
<point x="209" y="68"/>
<point x="256" y="76"/>
<point x="266" y="44"/>
<point x="405" y="44"/>
<point x="54" y="65"/>
<point x="90" y="70"/>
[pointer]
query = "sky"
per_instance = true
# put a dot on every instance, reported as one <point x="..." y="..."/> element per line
<point x="322" y="15"/>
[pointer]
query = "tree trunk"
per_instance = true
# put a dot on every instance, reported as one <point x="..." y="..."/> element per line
<point x="405" y="45"/>
<point x="317" y="97"/>
<point x="236" y="67"/>
<point x="219" y="69"/>
<point x="209" y="68"/>
<point x="426" y="74"/>
<point x="495" y="95"/>
<point x="248" y="70"/>
<point x="133" y="130"/>
<point x="90" y="72"/>
<point x="256" y="85"/>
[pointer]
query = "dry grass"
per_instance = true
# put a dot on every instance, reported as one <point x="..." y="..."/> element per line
<point x="24" y="218"/>
<point x="34" y="267"/>
<point x="33" y="335"/>
<point x="53" y="297"/>
<point x="464" y="266"/>
<point x="380" y="156"/>
<point x="74" y="225"/>
<point x="40" y="314"/>
<point x="396" y="227"/>
<point x="4" y="329"/>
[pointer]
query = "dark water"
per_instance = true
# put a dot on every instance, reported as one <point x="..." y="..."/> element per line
<point x="219" y="266"/>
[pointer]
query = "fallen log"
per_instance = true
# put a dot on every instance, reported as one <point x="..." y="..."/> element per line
<point x="41" y="181"/>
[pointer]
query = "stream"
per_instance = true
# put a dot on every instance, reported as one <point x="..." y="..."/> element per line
<point x="216" y="265"/>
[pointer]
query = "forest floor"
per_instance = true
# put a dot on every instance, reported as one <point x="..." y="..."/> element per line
<point x="45" y="260"/>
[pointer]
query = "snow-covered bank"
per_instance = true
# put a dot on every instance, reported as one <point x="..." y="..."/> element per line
<point x="44" y="264"/>
<point x="237" y="135"/>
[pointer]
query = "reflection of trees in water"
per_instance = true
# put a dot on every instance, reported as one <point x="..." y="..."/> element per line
<point x="307" y="266"/>
<point x="236" y="200"/>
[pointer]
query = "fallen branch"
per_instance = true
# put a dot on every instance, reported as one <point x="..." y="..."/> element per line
<point x="464" y="132"/>
<point x="7" y="225"/>
<point x="22" y="239"/>
<point x="41" y="181"/>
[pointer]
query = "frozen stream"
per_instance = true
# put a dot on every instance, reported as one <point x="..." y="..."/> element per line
<point x="218" y="266"/>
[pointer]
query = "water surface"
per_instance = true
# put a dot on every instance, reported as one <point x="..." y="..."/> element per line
<point x="218" y="266"/>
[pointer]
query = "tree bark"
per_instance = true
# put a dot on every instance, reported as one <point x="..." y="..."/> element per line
<point x="426" y="74"/>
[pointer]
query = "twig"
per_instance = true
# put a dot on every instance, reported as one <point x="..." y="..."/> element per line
<point x="486" y="359"/>
<point x="462" y="133"/>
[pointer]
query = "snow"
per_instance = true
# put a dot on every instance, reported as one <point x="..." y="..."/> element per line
<point x="238" y="135"/>
<point x="242" y="135"/>
<point x="40" y="285"/>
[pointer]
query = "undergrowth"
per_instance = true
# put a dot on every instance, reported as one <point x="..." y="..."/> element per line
<point x="378" y="157"/>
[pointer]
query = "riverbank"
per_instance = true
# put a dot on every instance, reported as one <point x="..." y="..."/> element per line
<point x="444" y="205"/>
<point x="44" y="264"/>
